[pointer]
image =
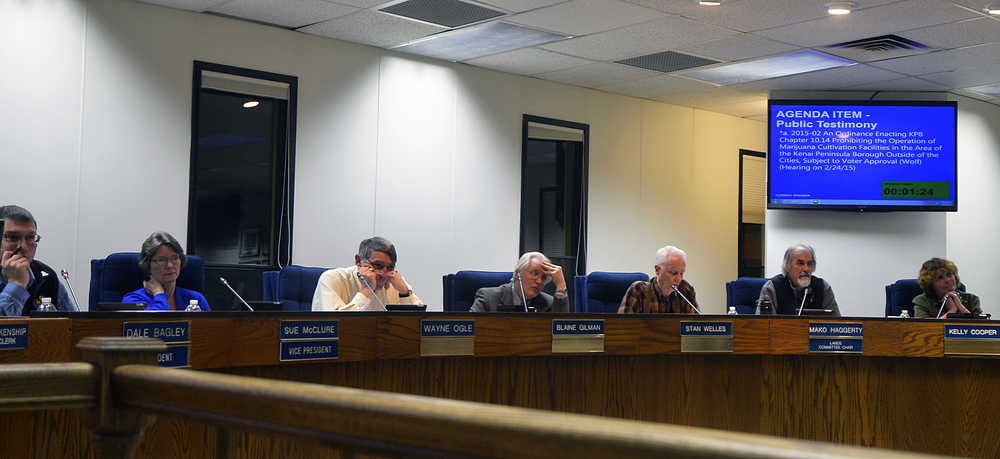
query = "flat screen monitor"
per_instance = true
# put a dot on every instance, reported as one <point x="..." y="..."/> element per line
<point x="862" y="155"/>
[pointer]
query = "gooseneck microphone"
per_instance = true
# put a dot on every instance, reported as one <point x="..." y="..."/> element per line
<point x="223" y="281"/>
<point x="520" y="283"/>
<point x="805" y="294"/>
<point x="685" y="299"/>
<point x="364" y="280"/>
<point x="65" y="276"/>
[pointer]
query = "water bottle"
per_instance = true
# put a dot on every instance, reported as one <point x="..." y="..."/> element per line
<point x="192" y="306"/>
<point x="47" y="305"/>
<point x="904" y="314"/>
<point x="732" y="311"/>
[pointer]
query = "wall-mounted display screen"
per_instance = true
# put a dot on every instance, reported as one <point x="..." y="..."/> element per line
<point x="851" y="155"/>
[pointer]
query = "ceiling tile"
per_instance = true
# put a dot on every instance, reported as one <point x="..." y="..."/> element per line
<point x="599" y="74"/>
<point x="361" y="3"/>
<point x="880" y="20"/>
<point x="528" y="61"/>
<point x="193" y="5"/>
<point x="581" y="17"/>
<point x="902" y="84"/>
<point x="743" y="46"/>
<point x="837" y="78"/>
<point x="750" y="15"/>
<point x="518" y="6"/>
<point x="966" y="77"/>
<point x="941" y="61"/>
<point x="286" y="13"/>
<point x="958" y="34"/>
<point x="649" y="88"/>
<point x="373" y="28"/>
<point x="670" y="32"/>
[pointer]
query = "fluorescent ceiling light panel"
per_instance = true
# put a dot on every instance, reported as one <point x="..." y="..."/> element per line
<point x="769" y="67"/>
<point x="478" y="41"/>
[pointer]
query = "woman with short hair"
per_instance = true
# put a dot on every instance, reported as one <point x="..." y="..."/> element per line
<point x="161" y="259"/>
<point x="939" y="280"/>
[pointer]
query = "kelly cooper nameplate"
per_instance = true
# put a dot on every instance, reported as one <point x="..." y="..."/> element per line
<point x="14" y="336"/>
<point x="836" y="338"/>
<point x="308" y="340"/>
<point x="447" y="337"/>
<point x="577" y="335"/>
<point x="971" y="340"/>
<point x="176" y="335"/>
<point x="706" y="336"/>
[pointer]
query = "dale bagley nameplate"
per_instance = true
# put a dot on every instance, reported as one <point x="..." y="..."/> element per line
<point x="447" y="337"/>
<point x="176" y="335"/>
<point x="971" y="340"/>
<point x="836" y="338"/>
<point x="14" y="336"/>
<point x="705" y="336"/>
<point x="308" y="340"/>
<point x="577" y="335"/>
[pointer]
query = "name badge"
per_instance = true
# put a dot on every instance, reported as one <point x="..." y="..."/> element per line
<point x="447" y="337"/>
<point x="971" y="340"/>
<point x="14" y="336"/>
<point x="309" y="329"/>
<point x="706" y="336"/>
<point x="176" y="335"/>
<point x="308" y="340"/>
<point x="322" y="349"/>
<point x="836" y="338"/>
<point x="580" y="335"/>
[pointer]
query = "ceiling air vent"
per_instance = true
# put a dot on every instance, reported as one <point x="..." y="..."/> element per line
<point x="667" y="61"/>
<point x="449" y="13"/>
<point x="883" y="43"/>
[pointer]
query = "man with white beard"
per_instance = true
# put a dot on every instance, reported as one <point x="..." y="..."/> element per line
<point x="786" y="291"/>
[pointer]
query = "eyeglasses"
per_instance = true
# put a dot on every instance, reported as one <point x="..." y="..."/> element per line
<point x="379" y="266"/>
<point x="14" y="238"/>
<point x="160" y="261"/>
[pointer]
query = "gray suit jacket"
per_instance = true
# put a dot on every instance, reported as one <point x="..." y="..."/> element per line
<point x="489" y="299"/>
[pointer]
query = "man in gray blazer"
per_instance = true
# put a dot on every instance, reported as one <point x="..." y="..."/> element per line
<point x="524" y="290"/>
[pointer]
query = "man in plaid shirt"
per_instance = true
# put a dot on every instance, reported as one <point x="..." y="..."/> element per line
<point x="657" y="295"/>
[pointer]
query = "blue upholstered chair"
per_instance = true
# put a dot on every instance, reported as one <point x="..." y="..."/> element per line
<point x="112" y="277"/>
<point x="603" y="291"/>
<point x="743" y="294"/>
<point x="269" y="285"/>
<point x="899" y="295"/>
<point x="460" y="288"/>
<point x="296" y="286"/>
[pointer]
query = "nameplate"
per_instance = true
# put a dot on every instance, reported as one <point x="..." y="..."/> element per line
<point x="706" y="336"/>
<point x="309" y="329"/>
<point x="14" y="336"/>
<point x="320" y="349"/>
<point x="447" y="337"/>
<point x="581" y="335"/>
<point x="169" y="332"/>
<point x="174" y="356"/>
<point x="836" y="338"/>
<point x="971" y="340"/>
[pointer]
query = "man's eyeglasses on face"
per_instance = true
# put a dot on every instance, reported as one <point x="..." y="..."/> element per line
<point x="160" y="261"/>
<point x="379" y="266"/>
<point x="15" y="238"/>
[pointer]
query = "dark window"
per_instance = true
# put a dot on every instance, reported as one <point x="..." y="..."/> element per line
<point x="242" y="152"/>
<point x="753" y="171"/>
<point x="554" y="193"/>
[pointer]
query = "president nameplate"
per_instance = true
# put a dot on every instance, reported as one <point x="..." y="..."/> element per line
<point x="447" y="337"/>
<point x="971" y="340"/>
<point x="577" y="336"/>
<point x="176" y="335"/>
<point x="706" y="336"/>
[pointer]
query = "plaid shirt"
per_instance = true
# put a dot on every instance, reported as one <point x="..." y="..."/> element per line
<point x="644" y="298"/>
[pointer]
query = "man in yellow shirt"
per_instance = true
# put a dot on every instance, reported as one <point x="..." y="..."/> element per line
<point x="368" y="285"/>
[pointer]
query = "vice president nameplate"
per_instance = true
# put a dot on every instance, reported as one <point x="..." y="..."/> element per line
<point x="577" y="335"/>
<point x="971" y="340"/>
<point x="308" y="340"/>
<point x="706" y="336"/>
<point x="447" y="337"/>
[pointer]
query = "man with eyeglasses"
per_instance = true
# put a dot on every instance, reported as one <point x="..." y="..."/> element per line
<point x="25" y="280"/>
<point x="343" y="289"/>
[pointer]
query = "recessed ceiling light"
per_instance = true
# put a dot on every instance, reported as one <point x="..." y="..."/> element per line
<point x="709" y="3"/>
<point x="840" y="8"/>
<point x="477" y="41"/>
<point x="993" y="9"/>
<point x="768" y="67"/>
<point x="251" y="104"/>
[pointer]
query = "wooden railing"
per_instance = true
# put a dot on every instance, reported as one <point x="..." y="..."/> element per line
<point x="124" y="390"/>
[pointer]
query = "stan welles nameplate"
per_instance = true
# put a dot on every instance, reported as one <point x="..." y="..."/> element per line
<point x="577" y="335"/>
<point x="706" y="336"/>
<point x="447" y="337"/>
<point x="308" y="340"/>
<point x="176" y="335"/>
<point x="971" y="340"/>
<point x="14" y="336"/>
<point x="836" y="338"/>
